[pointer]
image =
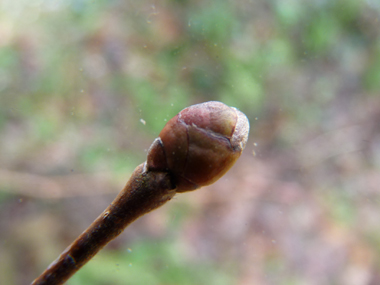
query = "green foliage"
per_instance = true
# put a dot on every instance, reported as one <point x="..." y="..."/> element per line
<point x="341" y="207"/>
<point x="213" y="22"/>
<point x="243" y="90"/>
<point x="372" y="74"/>
<point x="148" y="263"/>
<point x="156" y="109"/>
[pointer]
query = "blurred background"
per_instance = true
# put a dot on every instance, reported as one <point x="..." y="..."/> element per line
<point x="86" y="86"/>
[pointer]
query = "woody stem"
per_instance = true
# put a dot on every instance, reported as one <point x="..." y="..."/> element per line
<point x="144" y="192"/>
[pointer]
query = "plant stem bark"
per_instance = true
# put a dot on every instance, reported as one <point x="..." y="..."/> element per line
<point x="145" y="191"/>
<point x="194" y="149"/>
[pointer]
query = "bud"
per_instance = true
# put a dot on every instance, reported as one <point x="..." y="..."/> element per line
<point x="200" y="144"/>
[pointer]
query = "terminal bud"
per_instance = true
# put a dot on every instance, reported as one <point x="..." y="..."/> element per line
<point x="199" y="144"/>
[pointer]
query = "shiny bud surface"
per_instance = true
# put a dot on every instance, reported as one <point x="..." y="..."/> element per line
<point x="199" y="144"/>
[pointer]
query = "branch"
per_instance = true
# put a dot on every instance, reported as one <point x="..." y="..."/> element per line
<point x="194" y="149"/>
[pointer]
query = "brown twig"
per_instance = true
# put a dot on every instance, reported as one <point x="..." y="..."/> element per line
<point x="144" y="192"/>
<point x="195" y="148"/>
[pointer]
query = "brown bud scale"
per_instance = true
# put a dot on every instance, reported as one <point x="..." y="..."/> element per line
<point x="199" y="144"/>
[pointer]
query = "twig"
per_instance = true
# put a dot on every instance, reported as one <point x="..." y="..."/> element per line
<point x="194" y="149"/>
<point x="144" y="192"/>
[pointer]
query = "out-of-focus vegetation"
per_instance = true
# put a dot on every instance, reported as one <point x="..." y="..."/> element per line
<point x="85" y="87"/>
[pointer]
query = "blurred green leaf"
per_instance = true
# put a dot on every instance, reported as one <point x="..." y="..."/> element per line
<point x="148" y="263"/>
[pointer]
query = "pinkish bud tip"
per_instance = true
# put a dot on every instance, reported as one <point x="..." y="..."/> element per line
<point x="200" y="144"/>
